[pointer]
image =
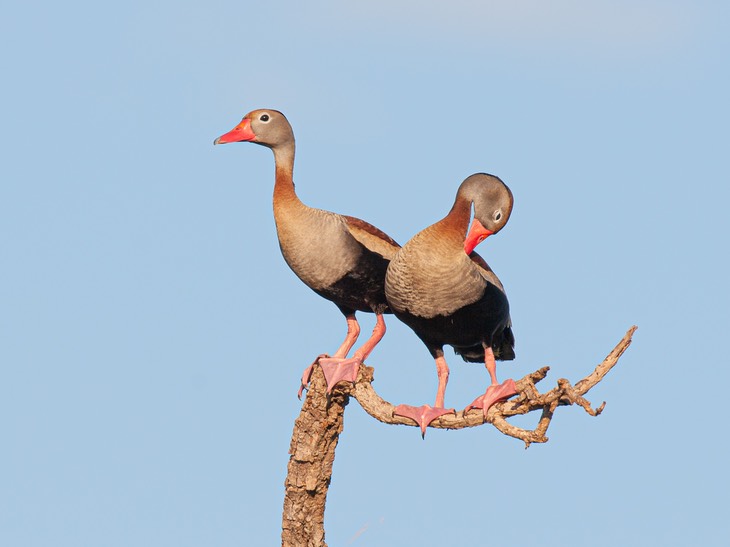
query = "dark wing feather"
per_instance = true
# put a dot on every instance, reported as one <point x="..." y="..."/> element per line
<point x="371" y="237"/>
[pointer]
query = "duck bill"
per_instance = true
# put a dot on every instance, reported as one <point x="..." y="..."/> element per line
<point x="477" y="234"/>
<point x="241" y="133"/>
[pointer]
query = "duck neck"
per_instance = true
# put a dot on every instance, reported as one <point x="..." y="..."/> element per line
<point x="457" y="221"/>
<point x="284" y="185"/>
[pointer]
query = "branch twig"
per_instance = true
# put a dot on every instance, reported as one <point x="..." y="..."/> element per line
<point x="529" y="399"/>
<point x="320" y="422"/>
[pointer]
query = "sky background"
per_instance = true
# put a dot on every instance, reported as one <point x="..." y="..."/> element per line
<point x="152" y="337"/>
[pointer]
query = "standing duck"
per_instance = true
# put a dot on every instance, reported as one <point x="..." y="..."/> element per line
<point x="448" y="294"/>
<point x="341" y="258"/>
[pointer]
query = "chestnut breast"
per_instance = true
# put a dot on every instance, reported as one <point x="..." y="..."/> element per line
<point x="316" y="244"/>
<point x="432" y="275"/>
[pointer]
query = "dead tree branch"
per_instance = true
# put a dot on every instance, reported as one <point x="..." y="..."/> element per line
<point x="320" y="422"/>
<point x="312" y="453"/>
<point x="529" y="399"/>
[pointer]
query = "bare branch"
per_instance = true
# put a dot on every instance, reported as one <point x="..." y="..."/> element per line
<point x="529" y="399"/>
<point x="311" y="456"/>
<point x="320" y="422"/>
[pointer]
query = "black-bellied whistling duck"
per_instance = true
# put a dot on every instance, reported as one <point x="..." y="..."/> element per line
<point x="448" y="294"/>
<point x="341" y="258"/>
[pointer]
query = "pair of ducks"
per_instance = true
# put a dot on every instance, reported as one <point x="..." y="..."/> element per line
<point x="435" y="283"/>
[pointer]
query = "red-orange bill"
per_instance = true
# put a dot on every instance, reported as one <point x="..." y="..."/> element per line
<point x="477" y="234"/>
<point x="242" y="132"/>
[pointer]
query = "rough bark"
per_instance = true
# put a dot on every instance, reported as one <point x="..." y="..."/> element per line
<point x="312" y="453"/>
<point x="317" y="430"/>
<point x="527" y="400"/>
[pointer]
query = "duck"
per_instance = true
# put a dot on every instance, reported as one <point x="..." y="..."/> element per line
<point x="342" y="258"/>
<point x="448" y="294"/>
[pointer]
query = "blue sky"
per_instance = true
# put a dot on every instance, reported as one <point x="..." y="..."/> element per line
<point x="151" y="335"/>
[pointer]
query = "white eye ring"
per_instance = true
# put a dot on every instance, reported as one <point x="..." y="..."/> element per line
<point x="498" y="215"/>
<point x="265" y="118"/>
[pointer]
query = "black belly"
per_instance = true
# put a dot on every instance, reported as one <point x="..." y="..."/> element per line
<point x="362" y="289"/>
<point x="485" y="321"/>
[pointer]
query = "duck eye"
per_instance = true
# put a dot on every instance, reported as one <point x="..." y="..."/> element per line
<point x="264" y="118"/>
<point x="497" y="216"/>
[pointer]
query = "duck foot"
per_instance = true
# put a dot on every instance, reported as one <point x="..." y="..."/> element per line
<point x="494" y="394"/>
<point x="422" y="415"/>
<point x="339" y="370"/>
<point x="307" y="374"/>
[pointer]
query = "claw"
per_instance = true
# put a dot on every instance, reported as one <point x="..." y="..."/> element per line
<point x="339" y="370"/>
<point x="494" y="394"/>
<point x="422" y="415"/>
<point x="307" y="375"/>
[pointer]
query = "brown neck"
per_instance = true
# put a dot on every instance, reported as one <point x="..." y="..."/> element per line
<point x="457" y="221"/>
<point x="284" y="185"/>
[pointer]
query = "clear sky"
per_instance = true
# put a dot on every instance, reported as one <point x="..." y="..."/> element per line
<point x="152" y="337"/>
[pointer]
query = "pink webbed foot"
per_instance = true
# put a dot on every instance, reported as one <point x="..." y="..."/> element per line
<point x="339" y="370"/>
<point x="422" y="415"/>
<point x="494" y="394"/>
<point x="307" y="374"/>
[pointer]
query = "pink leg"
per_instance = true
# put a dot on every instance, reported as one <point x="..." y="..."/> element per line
<point x="496" y="392"/>
<point x="491" y="363"/>
<point x="425" y="414"/>
<point x="442" y="369"/>
<point x="339" y="368"/>
<point x="353" y="331"/>
<point x="378" y="332"/>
